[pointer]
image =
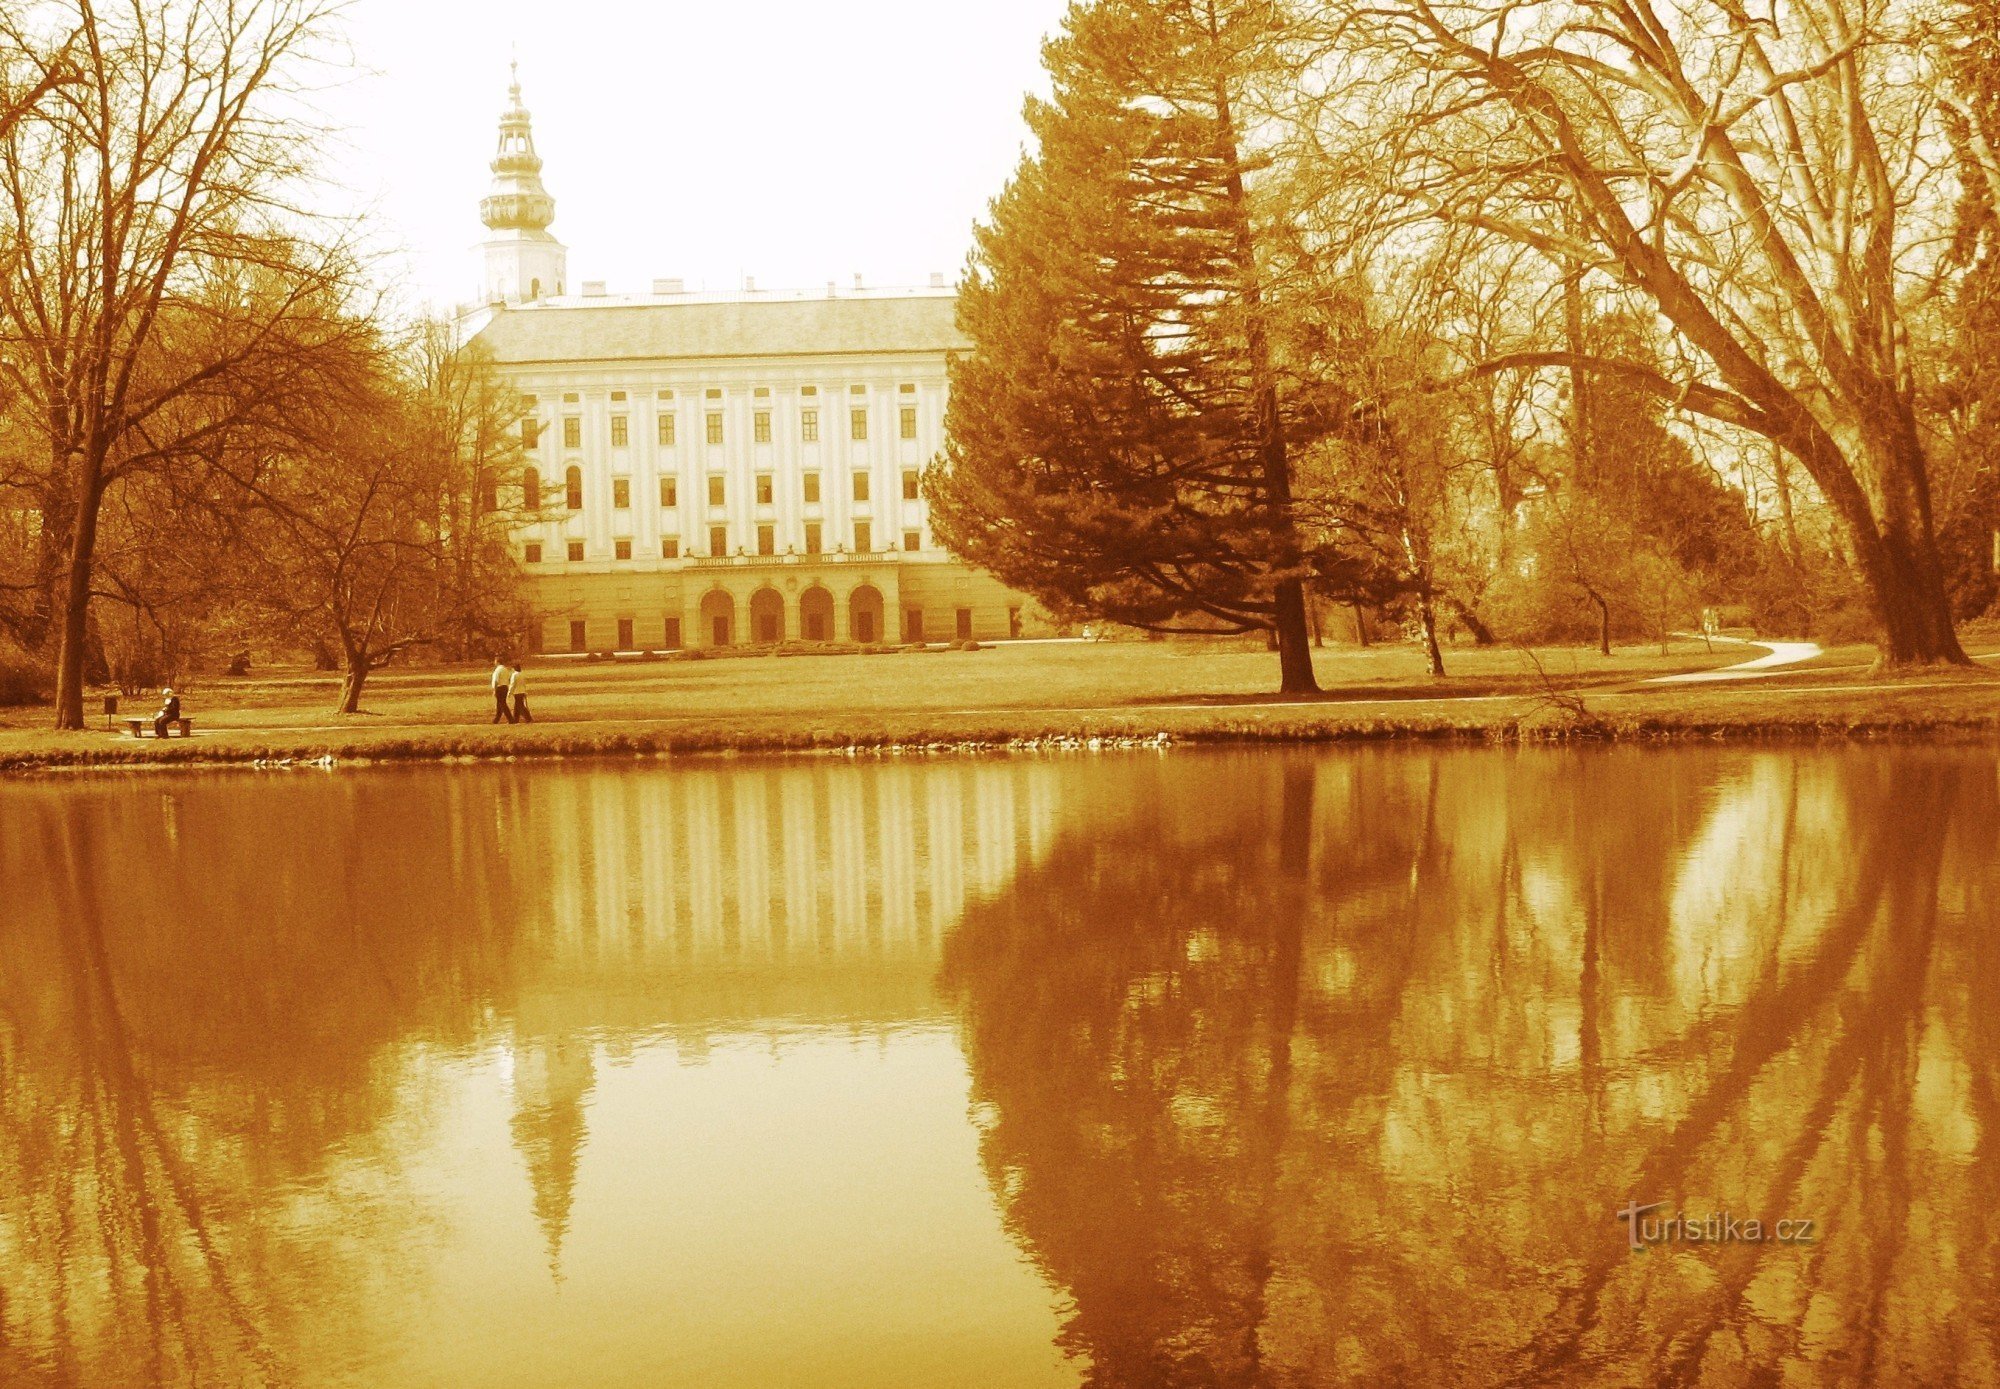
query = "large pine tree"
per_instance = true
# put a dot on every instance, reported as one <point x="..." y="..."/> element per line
<point x="1120" y="445"/>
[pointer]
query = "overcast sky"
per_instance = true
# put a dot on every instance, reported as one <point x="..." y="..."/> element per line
<point x="794" y="140"/>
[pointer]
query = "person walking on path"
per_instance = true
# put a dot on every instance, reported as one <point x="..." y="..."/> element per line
<point x="519" y="691"/>
<point x="501" y="678"/>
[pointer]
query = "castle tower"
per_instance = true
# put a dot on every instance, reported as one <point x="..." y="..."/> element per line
<point x="523" y="262"/>
<point x="553" y="1078"/>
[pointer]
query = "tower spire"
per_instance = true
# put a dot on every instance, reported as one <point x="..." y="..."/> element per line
<point x="523" y="262"/>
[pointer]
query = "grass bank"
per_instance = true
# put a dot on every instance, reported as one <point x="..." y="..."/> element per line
<point x="1027" y="695"/>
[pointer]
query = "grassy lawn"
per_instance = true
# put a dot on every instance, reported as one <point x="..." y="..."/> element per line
<point x="1004" y="693"/>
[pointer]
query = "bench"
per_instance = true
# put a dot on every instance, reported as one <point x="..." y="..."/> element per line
<point x="138" y="727"/>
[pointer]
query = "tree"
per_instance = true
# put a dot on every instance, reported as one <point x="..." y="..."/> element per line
<point x="1764" y="186"/>
<point x="1120" y="441"/>
<point x="138" y="200"/>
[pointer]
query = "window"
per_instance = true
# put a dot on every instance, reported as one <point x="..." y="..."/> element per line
<point x="909" y="427"/>
<point x="718" y="540"/>
<point x="579" y="635"/>
<point x="907" y="388"/>
<point x="673" y="633"/>
<point x="670" y="547"/>
<point x="570" y="397"/>
<point x="575" y="552"/>
<point x="766" y="541"/>
<point x="620" y="435"/>
<point x="621" y="549"/>
<point x="670" y="492"/>
<point x="531" y="489"/>
<point x="666" y="423"/>
<point x="812" y="537"/>
<point x="762" y="393"/>
<point x="812" y="487"/>
<point x="910" y="485"/>
<point x="760" y="427"/>
<point x="666" y="395"/>
<point x="621" y="492"/>
<point x="913" y="540"/>
<point x="913" y="625"/>
<point x="715" y="426"/>
<point x="573" y="488"/>
<point x="857" y="424"/>
<point x="763" y="489"/>
<point x="857" y="390"/>
<point x="531" y="433"/>
<point x="863" y="542"/>
<point x="715" y="489"/>
<point x="965" y="624"/>
<point x="533" y="553"/>
<point x="713" y="393"/>
<point x="861" y="487"/>
<point x="625" y="642"/>
<point x="572" y="432"/>
<point x="808" y="390"/>
<point x="618" y="395"/>
<point x="809" y="426"/>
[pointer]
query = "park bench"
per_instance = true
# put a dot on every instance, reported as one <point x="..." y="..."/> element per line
<point x="139" y="726"/>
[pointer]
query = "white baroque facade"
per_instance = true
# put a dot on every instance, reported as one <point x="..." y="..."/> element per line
<point x="717" y="470"/>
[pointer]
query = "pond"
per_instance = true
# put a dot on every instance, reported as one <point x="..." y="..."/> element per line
<point x="1222" y="1068"/>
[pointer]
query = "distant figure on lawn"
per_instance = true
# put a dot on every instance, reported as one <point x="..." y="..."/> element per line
<point x="170" y="713"/>
<point x="519" y="691"/>
<point x="502" y="677"/>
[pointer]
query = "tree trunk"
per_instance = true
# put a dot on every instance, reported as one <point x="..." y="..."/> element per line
<point x="351" y="683"/>
<point x="1911" y="604"/>
<point x="1427" y="620"/>
<point x="1603" y="625"/>
<point x="1295" y="661"/>
<point x="76" y="605"/>
<point x="1360" y="625"/>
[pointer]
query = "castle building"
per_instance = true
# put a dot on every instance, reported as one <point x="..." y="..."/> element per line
<point x="715" y="470"/>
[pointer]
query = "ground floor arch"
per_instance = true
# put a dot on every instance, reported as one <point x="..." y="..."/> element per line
<point x="767" y="616"/>
<point x="816" y="614"/>
<point x="718" y="618"/>
<point x="864" y="614"/>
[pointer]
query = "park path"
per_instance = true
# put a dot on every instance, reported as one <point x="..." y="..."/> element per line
<point x="1778" y="654"/>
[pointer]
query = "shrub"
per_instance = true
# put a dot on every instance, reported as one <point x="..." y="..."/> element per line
<point x="23" y="679"/>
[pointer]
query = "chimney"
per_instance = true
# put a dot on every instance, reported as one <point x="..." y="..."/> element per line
<point x="857" y="279"/>
<point x="749" y="284"/>
<point x="832" y="289"/>
<point x="673" y="286"/>
<point x="593" y="289"/>
<point x="937" y="279"/>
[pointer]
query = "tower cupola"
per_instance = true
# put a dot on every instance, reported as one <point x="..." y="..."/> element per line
<point x="523" y="262"/>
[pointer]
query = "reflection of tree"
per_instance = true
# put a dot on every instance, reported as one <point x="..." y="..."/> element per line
<point x="1319" y="1072"/>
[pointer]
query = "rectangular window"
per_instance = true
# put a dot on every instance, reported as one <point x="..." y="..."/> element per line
<point x="763" y="489"/>
<point x="762" y="393"/>
<point x="670" y="491"/>
<point x="625" y="642"/>
<point x="670" y="547"/>
<point x="913" y="625"/>
<point x="760" y="427"/>
<point x="667" y="431"/>
<point x="672" y="632"/>
<point x="812" y="487"/>
<point x="857" y="390"/>
<point x="863" y="541"/>
<point x="531" y="433"/>
<point x="965" y="624"/>
<point x="812" y="537"/>
<point x="533" y="553"/>
<point x="909" y="416"/>
<point x="718" y="540"/>
<point x="715" y="489"/>
<point x="621" y="492"/>
<point x="857" y="424"/>
<point x="617" y="395"/>
<point x="808" y="390"/>
<point x="575" y="551"/>
<point x="767" y="541"/>
<point x="715" y="426"/>
<point x="809" y="426"/>
<point x="861" y="487"/>
<point x="620" y="435"/>
<point x="572" y="432"/>
<point x="908" y="388"/>
<point x="621" y="549"/>
<point x="713" y="393"/>
<point x="913" y="540"/>
<point x="579" y="635"/>
<point x="912" y="487"/>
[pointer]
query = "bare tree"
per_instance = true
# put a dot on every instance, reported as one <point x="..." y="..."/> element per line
<point x="158" y="293"/>
<point x="1772" y="187"/>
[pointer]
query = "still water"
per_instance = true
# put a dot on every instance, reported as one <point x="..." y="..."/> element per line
<point x="1180" y="1069"/>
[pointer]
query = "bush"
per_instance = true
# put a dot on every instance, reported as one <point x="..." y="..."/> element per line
<point x="968" y="645"/>
<point x="23" y="679"/>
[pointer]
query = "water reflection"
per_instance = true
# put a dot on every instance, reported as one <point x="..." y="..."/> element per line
<point x="1201" y="1070"/>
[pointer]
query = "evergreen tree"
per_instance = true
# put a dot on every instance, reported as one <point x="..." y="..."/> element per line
<point x="1120" y="445"/>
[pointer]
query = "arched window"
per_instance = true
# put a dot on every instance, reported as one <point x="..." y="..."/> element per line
<point x="531" y="489"/>
<point x="573" y="488"/>
<point x="534" y="289"/>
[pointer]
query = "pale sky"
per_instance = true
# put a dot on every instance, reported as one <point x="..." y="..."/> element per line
<point x="798" y="141"/>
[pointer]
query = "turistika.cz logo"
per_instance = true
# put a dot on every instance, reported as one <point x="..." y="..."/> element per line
<point x="1717" y="1227"/>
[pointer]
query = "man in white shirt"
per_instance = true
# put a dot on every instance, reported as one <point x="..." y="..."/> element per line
<point x="519" y="690"/>
<point x="502" y="677"/>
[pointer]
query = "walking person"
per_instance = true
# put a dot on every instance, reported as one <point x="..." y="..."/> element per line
<point x="501" y="677"/>
<point x="519" y="691"/>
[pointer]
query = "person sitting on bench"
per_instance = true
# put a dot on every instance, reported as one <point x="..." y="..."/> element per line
<point x="170" y="713"/>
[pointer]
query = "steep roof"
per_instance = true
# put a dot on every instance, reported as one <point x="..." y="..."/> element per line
<point x="682" y="327"/>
